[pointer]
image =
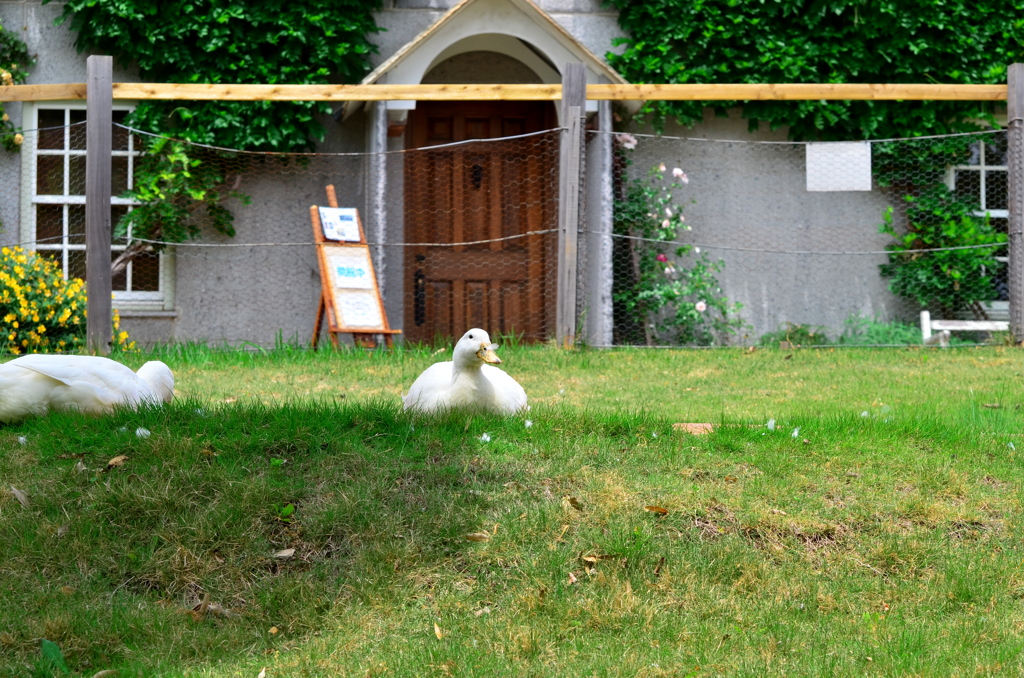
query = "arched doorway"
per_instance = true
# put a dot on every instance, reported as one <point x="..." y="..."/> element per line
<point x="486" y="197"/>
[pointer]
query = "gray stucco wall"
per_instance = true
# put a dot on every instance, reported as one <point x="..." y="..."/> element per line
<point x="752" y="210"/>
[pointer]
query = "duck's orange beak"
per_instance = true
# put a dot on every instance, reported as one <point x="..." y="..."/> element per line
<point x="487" y="354"/>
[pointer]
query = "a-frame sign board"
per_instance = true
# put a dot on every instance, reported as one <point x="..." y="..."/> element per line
<point x="349" y="295"/>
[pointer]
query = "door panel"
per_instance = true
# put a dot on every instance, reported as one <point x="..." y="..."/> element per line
<point x="480" y="196"/>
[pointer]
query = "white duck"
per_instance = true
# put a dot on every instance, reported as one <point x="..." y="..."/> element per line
<point x="466" y="382"/>
<point x="36" y="384"/>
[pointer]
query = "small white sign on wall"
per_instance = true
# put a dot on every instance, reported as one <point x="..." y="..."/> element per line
<point x="339" y="223"/>
<point x="839" y="166"/>
<point x="359" y="309"/>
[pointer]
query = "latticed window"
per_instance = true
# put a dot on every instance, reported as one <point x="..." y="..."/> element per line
<point x="55" y="219"/>
<point x="983" y="181"/>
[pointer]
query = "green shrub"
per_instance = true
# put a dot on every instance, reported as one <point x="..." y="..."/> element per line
<point x="797" y="335"/>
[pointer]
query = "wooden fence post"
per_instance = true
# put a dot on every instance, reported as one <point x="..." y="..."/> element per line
<point x="1015" y="228"/>
<point x="574" y="95"/>
<point x="98" y="133"/>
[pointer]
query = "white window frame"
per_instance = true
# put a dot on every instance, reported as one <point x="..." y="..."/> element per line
<point x="983" y="168"/>
<point x="135" y="302"/>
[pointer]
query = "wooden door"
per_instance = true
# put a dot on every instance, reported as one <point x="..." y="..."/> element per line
<point x="483" y="198"/>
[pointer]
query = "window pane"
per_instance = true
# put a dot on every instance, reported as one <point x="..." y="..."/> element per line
<point x="968" y="185"/>
<point x="51" y="118"/>
<point x="77" y="129"/>
<point x="76" y="175"/>
<point x="146" y="272"/>
<point x="76" y="264"/>
<point x="996" y="190"/>
<point x="116" y="213"/>
<point x="120" y="134"/>
<point x="49" y="223"/>
<point x="119" y="175"/>
<point x="975" y="158"/>
<point x="119" y="282"/>
<point x="995" y="150"/>
<point x="76" y="224"/>
<point x="50" y="175"/>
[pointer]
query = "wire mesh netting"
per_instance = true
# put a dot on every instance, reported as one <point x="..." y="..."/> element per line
<point x="682" y="241"/>
<point x="724" y="242"/>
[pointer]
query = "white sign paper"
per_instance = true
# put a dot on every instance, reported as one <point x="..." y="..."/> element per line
<point x="839" y="166"/>
<point x="350" y="269"/>
<point x="340" y="223"/>
<point x="359" y="309"/>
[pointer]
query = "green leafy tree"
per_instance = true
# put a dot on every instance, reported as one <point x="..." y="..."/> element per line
<point x="943" y="279"/>
<point x="14" y="64"/>
<point x="232" y="41"/>
<point x="831" y="41"/>
<point x="213" y="41"/>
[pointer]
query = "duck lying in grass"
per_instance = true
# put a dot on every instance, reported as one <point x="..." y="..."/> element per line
<point x="37" y="384"/>
<point x="467" y="382"/>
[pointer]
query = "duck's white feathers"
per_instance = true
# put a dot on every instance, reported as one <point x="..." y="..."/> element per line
<point x="466" y="383"/>
<point x="37" y="384"/>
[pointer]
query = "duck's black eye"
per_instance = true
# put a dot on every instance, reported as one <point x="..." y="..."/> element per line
<point x="471" y="336"/>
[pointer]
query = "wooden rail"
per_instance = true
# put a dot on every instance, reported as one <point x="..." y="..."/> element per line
<point x="716" y="92"/>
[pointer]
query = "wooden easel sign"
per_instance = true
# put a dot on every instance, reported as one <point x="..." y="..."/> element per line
<point x="349" y="295"/>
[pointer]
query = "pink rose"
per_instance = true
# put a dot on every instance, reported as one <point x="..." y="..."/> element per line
<point x="661" y="257"/>
<point x="701" y="306"/>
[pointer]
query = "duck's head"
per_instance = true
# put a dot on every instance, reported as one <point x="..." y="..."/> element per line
<point x="475" y="348"/>
<point x="158" y="376"/>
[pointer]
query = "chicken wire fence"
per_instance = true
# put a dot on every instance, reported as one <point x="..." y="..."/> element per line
<point x="681" y="241"/>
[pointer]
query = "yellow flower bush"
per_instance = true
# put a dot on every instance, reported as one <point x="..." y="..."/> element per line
<point x="40" y="312"/>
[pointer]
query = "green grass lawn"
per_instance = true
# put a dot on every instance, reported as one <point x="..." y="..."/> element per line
<point x="876" y="530"/>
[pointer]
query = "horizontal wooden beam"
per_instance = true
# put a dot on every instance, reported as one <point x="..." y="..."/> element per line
<point x="798" y="92"/>
<point x="42" y="92"/>
<point x="193" y="92"/>
<point x="714" y="92"/>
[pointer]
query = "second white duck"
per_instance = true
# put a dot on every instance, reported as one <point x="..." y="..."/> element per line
<point x="467" y="382"/>
<point x="37" y="384"/>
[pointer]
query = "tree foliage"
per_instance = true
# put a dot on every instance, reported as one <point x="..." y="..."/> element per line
<point x="232" y="41"/>
<point x="14" y="64"/>
<point x="825" y="41"/>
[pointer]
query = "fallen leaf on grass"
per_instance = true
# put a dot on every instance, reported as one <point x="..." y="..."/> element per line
<point x="263" y="673"/>
<point x="437" y="632"/>
<point x="80" y="467"/>
<point x="67" y="590"/>
<point x="992" y="406"/>
<point x="572" y="579"/>
<point x="482" y="611"/>
<point x="119" y="460"/>
<point x="63" y="529"/>
<point x="284" y="554"/>
<point x="20" y="496"/>
<point x="574" y="502"/>
<point x="731" y="479"/>
<point x="106" y="673"/>
<point x="656" y="509"/>
<point x="478" y="536"/>
<point x="273" y="630"/>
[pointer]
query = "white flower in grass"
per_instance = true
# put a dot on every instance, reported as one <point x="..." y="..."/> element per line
<point x="528" y="423"/>
<point x="22" y="440"/>
<point x="865" y="414"/>
<point x="142" y="432"/>
<point x="1010" y="445"/>
<point x="701" y="307"/>
<point x="795" y="433"/>
<point x="771" y="424"/>
<point x="485" y="438"/>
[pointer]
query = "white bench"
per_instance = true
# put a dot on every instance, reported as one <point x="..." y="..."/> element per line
<point x="944" y="327"/>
